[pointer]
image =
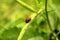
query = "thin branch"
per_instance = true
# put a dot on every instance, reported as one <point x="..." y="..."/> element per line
<point x="57" y="22"/>
<point x="26" y="6"/>
<point x="47" y="14"/>
<point x="33" y="16"/>
<point x="37" y="4"/>
<point x="48" y="20"/>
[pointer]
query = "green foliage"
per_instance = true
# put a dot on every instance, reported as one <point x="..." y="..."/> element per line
<point x="14" y="12"/>
<point x="10" y="34"/>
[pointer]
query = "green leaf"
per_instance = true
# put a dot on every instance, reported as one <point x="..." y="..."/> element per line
<point x="39" y="19"/>
<point x="26" y="6"/>
<point x="19" y="21"/>
<point x="10" y="34"/>
<point x="36" y="38"/>
<point x="56" y="2"/>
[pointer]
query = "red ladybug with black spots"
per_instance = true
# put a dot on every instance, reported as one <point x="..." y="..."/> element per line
<point x="27" y="20"/>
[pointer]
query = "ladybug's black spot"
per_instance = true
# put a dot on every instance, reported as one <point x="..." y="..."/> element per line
<point x="56" y="31"/>
<point x="27" y="20"/>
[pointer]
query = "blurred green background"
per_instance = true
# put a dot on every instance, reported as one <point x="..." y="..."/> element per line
<point x="13" y="15"/>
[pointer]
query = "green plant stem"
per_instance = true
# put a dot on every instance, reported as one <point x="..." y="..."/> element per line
<point x="37" y="3"/>
<point x="26" y="6"/>
<point x="57" y="38"/>
<point x="26" y="26"/>
<point x="57" y="22"/>
<point x="48" y="19"/>
<point x="47" y="14"/>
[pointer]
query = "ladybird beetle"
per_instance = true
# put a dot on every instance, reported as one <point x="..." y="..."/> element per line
<point x="27" y="20"/>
